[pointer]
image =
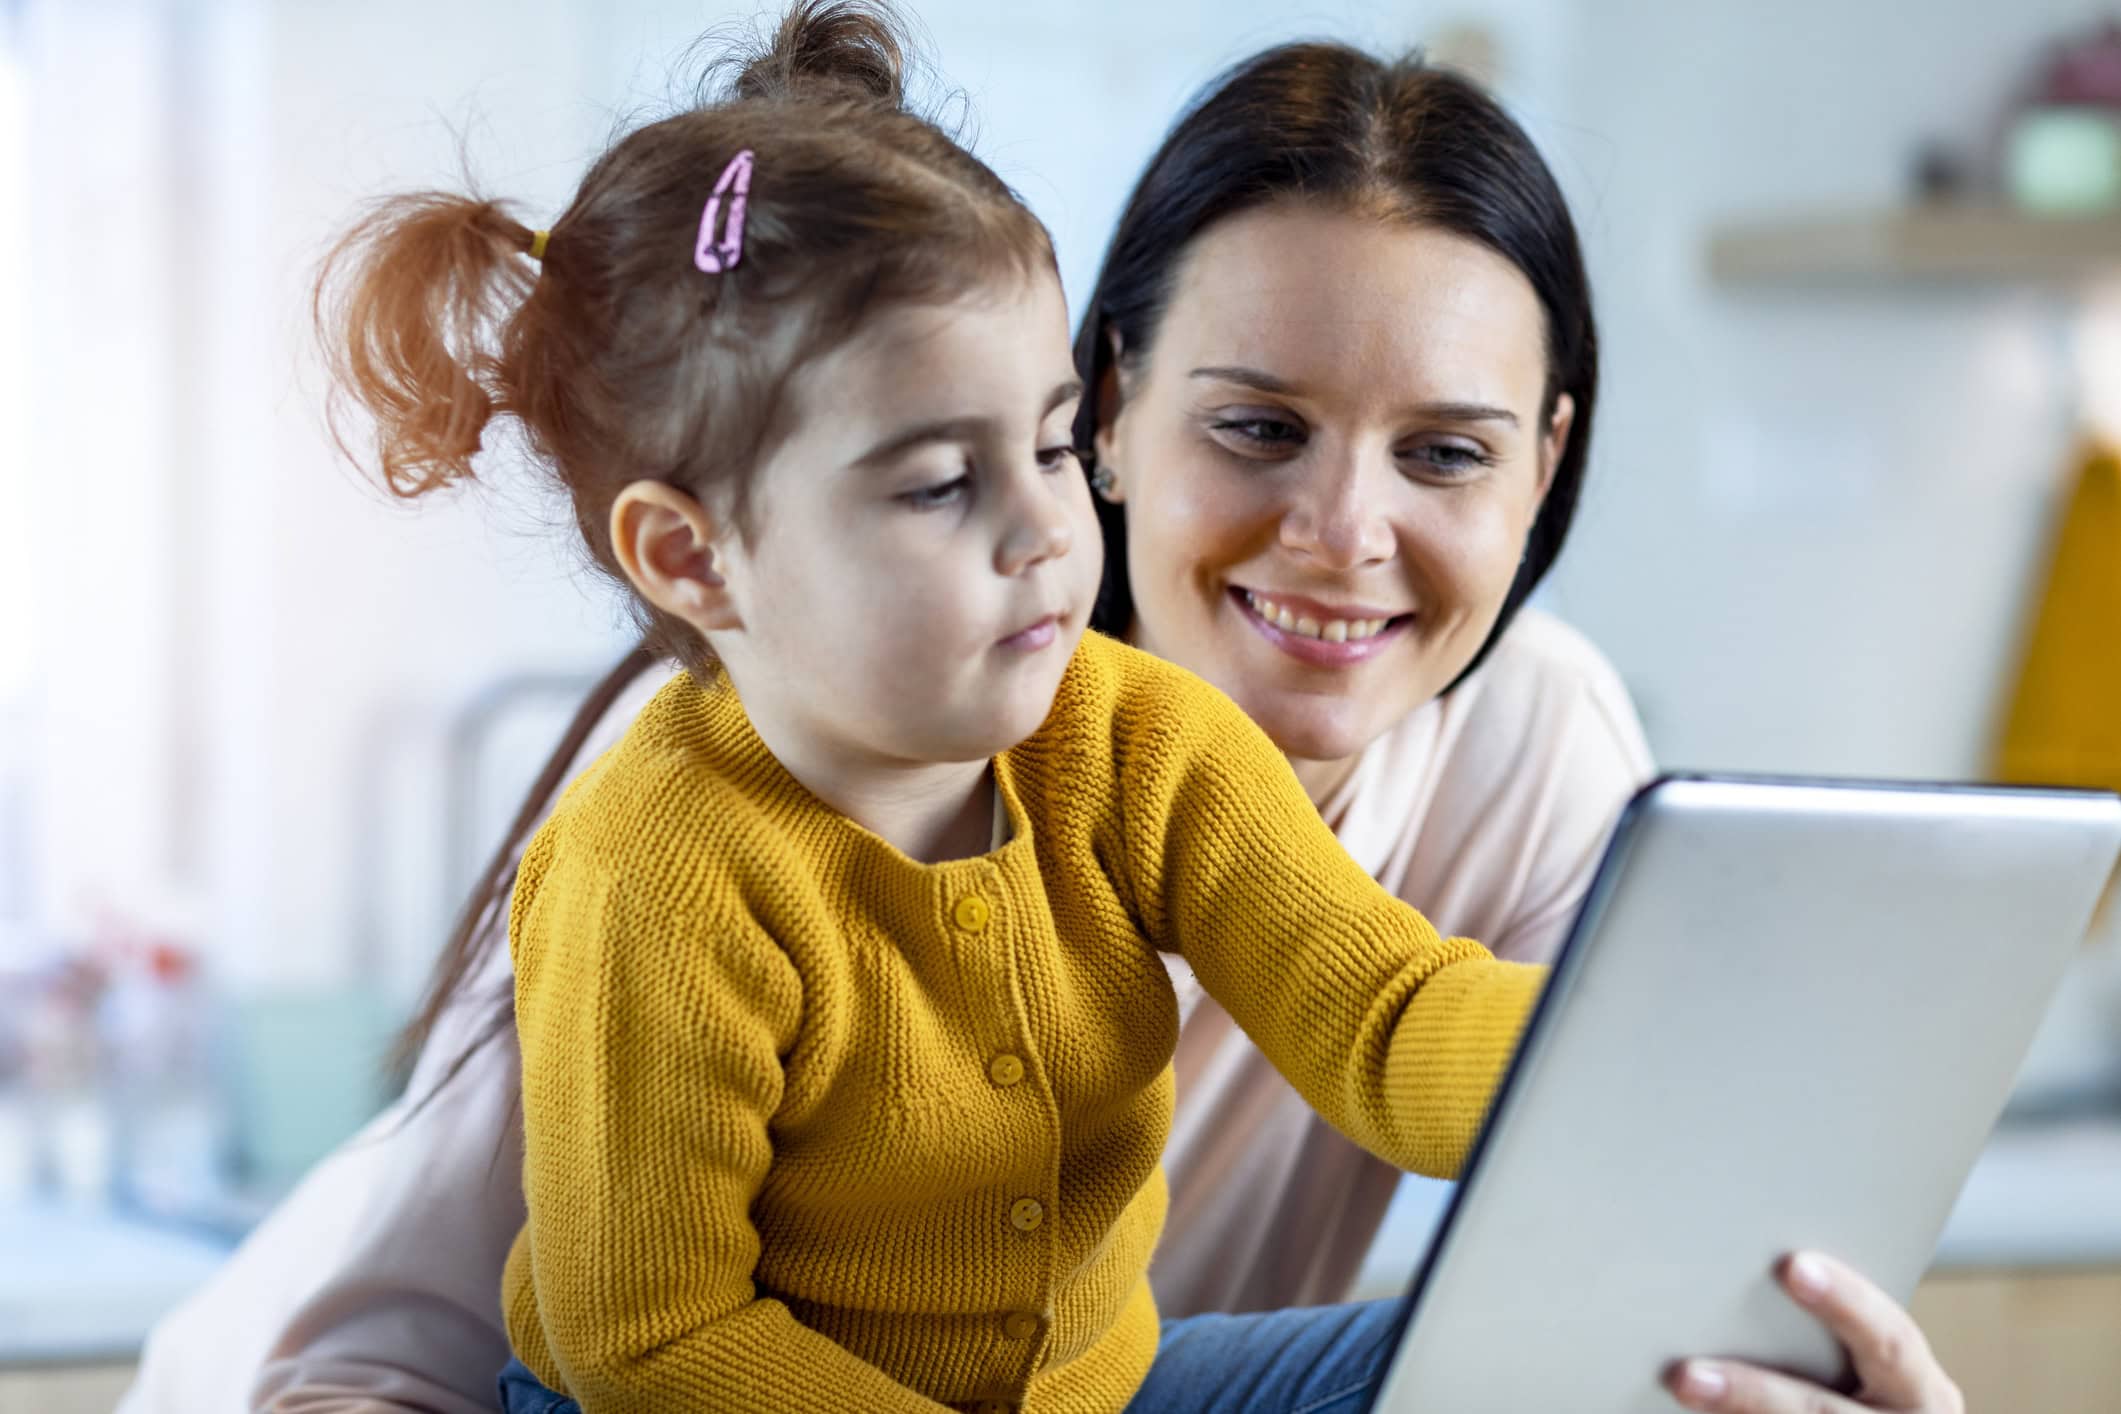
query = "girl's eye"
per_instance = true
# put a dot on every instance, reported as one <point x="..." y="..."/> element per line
<point x="1261" y="431"/>
<point x="935" y="497"/>
<point x="1055" y="458"/>
<point x="1451" y="459"/>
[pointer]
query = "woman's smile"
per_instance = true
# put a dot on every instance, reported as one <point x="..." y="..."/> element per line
<point x="1322" y="635"/>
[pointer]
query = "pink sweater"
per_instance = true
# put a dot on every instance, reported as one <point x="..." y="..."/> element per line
<point x="376" y="1285"/>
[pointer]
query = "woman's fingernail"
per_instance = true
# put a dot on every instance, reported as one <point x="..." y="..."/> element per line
<point x="1808" y="1277"/>
<point x="1698" y="1381"/>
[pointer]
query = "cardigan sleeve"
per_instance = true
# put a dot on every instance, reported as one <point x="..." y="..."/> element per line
<point x="1395" y="1035"/>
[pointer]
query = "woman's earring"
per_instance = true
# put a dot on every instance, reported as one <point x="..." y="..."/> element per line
<point x="1103" y="482"/>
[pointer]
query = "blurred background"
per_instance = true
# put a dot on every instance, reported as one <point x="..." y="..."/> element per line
<point x="1859" y="270"/>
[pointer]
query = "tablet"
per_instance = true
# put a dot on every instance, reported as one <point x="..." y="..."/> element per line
<point x="1787" y="1017"/>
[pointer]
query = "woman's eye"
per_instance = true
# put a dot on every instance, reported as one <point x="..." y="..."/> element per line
<point x="938" y="495"/>
<point x="1263" y="431"/>
<point x="1055" y="458"/>
<point x="1451" y="458"/>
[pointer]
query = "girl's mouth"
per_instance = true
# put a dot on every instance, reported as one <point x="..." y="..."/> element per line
<point x="1038" y="635"/>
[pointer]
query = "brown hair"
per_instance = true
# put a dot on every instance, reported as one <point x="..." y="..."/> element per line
<point x="616" y="358"/>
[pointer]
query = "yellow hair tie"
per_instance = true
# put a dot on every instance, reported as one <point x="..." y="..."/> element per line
<point x="537" y="244"/>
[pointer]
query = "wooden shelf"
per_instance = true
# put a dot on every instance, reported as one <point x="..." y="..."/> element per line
<point x="1945" y="243"/>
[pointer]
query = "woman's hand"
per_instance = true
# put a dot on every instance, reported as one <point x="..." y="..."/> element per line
<point x="1892" y="1358"/>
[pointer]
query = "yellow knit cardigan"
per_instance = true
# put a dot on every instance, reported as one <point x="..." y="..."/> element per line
<point x="813" y="1126"/>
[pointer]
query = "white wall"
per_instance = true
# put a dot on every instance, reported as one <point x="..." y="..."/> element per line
<point x="1817" y="516"/>
<point x="240" y="635"/>
<point x="1068" y="101"/>
<point x="97" y="489"/>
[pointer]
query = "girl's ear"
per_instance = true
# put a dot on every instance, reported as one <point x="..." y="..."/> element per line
<point x="665" y="541"/>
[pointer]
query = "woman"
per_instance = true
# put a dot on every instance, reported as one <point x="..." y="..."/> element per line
<point x="1342" y="373"/>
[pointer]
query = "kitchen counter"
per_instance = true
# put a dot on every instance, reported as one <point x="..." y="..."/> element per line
<point x="2043" y="1194"/>
<point x="81" y="1284"/>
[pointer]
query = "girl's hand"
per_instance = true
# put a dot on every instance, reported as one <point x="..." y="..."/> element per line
<point x="1892" y="1358"/>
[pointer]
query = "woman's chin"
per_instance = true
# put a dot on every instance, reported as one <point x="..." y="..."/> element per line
<point x="1315" y="731"/>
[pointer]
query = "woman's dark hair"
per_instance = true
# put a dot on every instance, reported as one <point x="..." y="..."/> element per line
<point x="1327" y="124"/>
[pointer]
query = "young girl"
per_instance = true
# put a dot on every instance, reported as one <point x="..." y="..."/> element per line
<point x="846" y="1041"/>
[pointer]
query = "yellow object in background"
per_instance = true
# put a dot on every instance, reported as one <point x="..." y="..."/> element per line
<point x="2065" y="721"/>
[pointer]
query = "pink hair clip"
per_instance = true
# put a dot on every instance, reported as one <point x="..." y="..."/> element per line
<point x="711" y="255"/>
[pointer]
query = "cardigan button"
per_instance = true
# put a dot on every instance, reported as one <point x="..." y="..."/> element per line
<point x="1020" y="1325"/>
<point x="971" y="913"/>
<point x="1025" y="1214"/>
<point x="994" y="1406"/>
<point x="1005" y="1070"/>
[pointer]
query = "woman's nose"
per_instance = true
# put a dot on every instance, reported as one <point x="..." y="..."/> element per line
<point x="1335" y="518"/>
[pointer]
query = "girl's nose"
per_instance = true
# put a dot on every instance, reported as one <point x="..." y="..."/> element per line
<point x="1041" y="530"/>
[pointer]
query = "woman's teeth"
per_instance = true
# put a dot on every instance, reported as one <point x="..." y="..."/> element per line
<point x="1331" y="630"/>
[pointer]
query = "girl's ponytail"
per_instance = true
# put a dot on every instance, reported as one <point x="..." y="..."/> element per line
<point x="409" y="306"/>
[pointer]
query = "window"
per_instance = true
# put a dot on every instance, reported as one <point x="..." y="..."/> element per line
<point x="17" y="578"/>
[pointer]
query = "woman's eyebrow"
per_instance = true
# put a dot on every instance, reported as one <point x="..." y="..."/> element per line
<point x="1466" y="412"/>
<point x="1439" y="412"/>
<point x="1248" y="377"/>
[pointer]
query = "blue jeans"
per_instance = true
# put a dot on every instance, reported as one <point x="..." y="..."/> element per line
<point x="522" y="1394"/>
<point x="1306" y="1360"/>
